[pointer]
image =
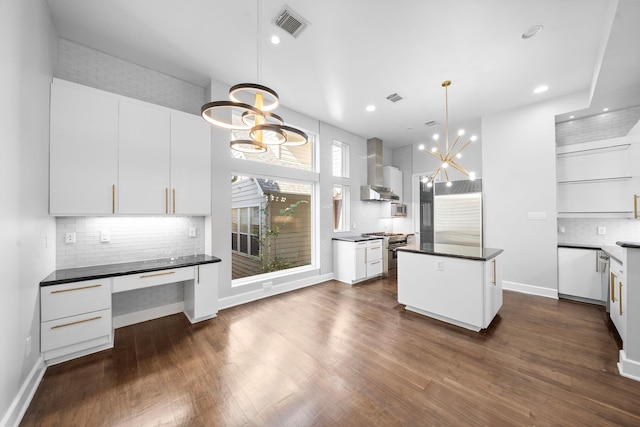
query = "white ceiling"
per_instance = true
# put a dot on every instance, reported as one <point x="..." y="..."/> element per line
<point x="357" y="52"/>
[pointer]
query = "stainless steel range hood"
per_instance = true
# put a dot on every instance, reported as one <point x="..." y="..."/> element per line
<point x="375" y="189"/>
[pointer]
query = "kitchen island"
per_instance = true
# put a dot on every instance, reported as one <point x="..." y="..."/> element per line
<point x="461" y="285"/>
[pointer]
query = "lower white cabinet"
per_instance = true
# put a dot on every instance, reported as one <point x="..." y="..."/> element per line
<point x="578" y="273"/>
<point x="618" y="298"/>
<point x="201" y="294"/>
<point x="75" y="319"/>
<point x="357" y="261"/>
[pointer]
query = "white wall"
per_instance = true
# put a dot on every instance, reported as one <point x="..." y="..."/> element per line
<point x="519" y="163"/>
<point x="27" y="43"/>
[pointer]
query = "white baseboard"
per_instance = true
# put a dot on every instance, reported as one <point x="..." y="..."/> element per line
<point x="21" y="402"/>
<point x="628" y="368"/>
<point x="275" y="290"/>
<point x="144" y="315"/>
<point x="530" y="289"/>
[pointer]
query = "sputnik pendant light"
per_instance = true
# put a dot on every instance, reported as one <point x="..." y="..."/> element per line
<point x="449" y="155"/>
<point x="254" y="102"/>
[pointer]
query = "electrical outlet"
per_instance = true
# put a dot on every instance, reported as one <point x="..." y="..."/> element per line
<point x="28" y="346"/>
<point x="440" y="265"/>
<point x="602" y="230"/>
<point x="562" y="230"/>
<point x="537" y="215"/>
<point x="70" y="238"/>
<point x="192" y="232"/>
<point x="105" y="236"/>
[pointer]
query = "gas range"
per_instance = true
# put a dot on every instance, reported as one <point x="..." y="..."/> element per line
<point x="390" y="238"/>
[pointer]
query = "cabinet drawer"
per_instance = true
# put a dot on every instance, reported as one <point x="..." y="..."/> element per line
<point x="74" y="298"/>
<point x="75" y="329"/>
<point x="374" y="268"/>
<point x="374" y="252"/>
<point x="153" y="278"/>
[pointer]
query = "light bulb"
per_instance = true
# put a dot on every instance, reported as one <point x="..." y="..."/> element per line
<point x="449" y="184"/>
<point x="435" y="136"/>
<point x="474" y="138"/>
<point x="472" y="176"/>
<point x="424" y="179"/>
<point x="461" y="132"/>
<point x="429" y="184"/>
<point x="445" y="165"/>
<point x="421" y="147"/>
<point x="434" y="149"/>
<point x="459" y="155"/>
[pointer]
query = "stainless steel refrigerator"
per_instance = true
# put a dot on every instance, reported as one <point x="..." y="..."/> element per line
<point x="457" y="213"/>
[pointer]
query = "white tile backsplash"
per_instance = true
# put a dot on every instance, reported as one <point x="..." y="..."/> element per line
<point x="585" y="231"/>
<point x="611" y="124"/>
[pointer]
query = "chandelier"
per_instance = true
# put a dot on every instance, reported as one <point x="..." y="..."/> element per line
<point x="449" y="155"/>
<point x="257" y="124"/>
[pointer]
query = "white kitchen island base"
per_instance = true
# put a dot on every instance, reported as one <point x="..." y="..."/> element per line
<point x="455" y="284"/>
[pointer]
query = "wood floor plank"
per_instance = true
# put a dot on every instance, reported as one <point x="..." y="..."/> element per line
<point x="335" y="354"/>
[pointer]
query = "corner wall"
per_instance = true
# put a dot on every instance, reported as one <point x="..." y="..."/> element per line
<point x="27" y="233"/>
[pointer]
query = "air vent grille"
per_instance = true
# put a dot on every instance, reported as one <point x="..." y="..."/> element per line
<point x="431" y="123"/>
<point x="394" y="97"/>
<point x="290" y="21"/>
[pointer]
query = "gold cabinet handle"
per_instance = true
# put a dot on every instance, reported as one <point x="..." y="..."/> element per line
<point x="113" y="199"/>
<point x="635" y="206"/>
<point x="174" y="201"/>
<point x="198" y="273"/>
<point x="75" y="289"/>
<point x="494" y="273"/>
<point x="620" y="298"/>
<point x="612" y="279"/>
<point x="75" y="323"/>
<point x="144" y="276"/>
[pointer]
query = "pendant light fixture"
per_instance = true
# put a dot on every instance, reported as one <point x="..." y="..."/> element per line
<point x="448" y="156"/>
<point x="254" y="103"/>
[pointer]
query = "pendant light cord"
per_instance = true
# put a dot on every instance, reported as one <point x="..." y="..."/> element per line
<point x="258" y="31"/>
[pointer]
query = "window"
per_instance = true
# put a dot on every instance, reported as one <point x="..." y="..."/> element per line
<point x="340" y="159"/>
<point x="340" y="207"/>
<point x="271" y="223"/>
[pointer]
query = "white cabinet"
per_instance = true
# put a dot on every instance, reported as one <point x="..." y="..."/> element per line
<point x="116" y="155"/>
<point x="392" y="178"/>
<point x="75" y="319"/>
<point x="618" y="298"/>
<point x="144" y="159"/>
<point x="578" y="273"/>
<point x="357" y="261"/>
<point x="201" y="294"/>
<point x="466" y="293"/>
<point x="83" y="151"/>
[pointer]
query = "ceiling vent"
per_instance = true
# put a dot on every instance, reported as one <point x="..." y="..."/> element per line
<point x="431" y="123"/>
<point x="290" y="21"/>
<point x="394" y="97"/>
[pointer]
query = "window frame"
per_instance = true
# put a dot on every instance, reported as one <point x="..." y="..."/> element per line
<point x="344" y="149"/>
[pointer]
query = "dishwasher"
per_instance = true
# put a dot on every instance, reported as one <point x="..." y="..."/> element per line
<point x="581" y="274"/>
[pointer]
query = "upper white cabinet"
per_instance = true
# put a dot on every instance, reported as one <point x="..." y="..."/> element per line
<point x="190" y="165"/>
<point x="116" y="155"/>
<point x="597" y="178"/>
<point x="144" y="159"/>
<point x="83" y="151"/>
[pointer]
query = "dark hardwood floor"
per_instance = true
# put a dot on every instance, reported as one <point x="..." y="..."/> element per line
<point x="342" y="355"/>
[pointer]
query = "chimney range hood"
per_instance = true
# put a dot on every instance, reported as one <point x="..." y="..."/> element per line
<point x="374" y="190"/>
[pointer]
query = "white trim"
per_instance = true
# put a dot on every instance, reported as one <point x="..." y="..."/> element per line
<point x="144" y="315"/>
<point x="443" y="318"/>
<point x="275" y="290"/>
<point x="21" y="402"/>
<point x="530" y="289"/>
<point x="628" y="368"/>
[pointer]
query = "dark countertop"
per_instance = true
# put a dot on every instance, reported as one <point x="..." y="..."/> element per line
<point x="69" y="275"/>
<point x="357" y="238"/>
<point x="633" y="245"/>
<point x="455" y="251"/>
<point x="615" y="252"/>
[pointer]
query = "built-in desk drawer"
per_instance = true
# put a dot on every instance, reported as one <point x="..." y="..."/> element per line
<point x="70" y="299"/>
<point x="153" y="278"/>
<point x="76" y="330"/>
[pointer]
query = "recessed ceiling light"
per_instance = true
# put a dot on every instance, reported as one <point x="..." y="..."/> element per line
<point x="275" y="39"/>
<point x="540" y="89"/>
<point x="532" y="31"/>
<point x="370" y="108"/>
<point x="605" y="109"/>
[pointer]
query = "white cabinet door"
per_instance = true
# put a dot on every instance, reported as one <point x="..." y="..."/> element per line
<point x="493" y="289"/>
<point x="618" y="298"/>
<point x="83" y="151"/>
<point x="577" y="273"/>
<point x="190" y="165"/>
<point x="360" y="261"/>
<point x="201" y="294"/>
<point x="143" y="159"/>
